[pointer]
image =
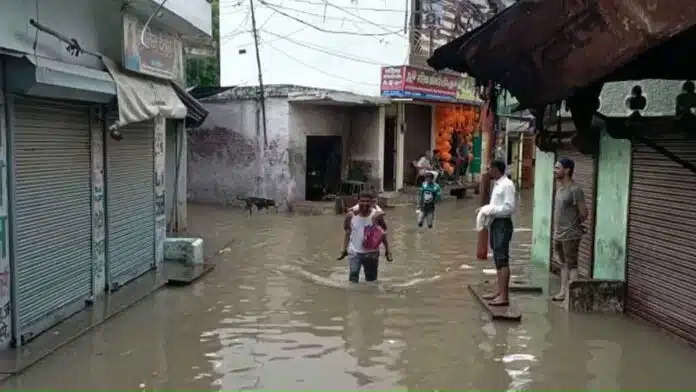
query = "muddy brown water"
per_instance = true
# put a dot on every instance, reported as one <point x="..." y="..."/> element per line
<point x="277" y="313"/>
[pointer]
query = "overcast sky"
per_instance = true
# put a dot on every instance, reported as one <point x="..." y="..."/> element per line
<point x="365" y="34"/>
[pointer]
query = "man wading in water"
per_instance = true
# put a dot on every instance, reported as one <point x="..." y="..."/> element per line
<point x="498" y="215"/>
<point x="570" y="211"/>
<point x="355" y="241"/>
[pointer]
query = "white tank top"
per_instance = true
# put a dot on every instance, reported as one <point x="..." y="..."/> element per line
<point x="357" y="233"/>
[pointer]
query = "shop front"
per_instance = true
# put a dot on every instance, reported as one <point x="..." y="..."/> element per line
<point x="435" y="111"/>
<point x="82" y="202"/>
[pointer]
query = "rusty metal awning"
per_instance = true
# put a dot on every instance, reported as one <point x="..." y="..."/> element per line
<point x="544" y="50"/>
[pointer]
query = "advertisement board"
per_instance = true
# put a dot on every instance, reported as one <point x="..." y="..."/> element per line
<point x="412" y="82"/>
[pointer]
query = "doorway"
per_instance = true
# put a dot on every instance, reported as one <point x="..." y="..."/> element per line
<point x="324" y="161"/>
<point x="389" y="154"/>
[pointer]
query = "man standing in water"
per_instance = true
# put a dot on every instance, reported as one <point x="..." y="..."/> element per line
<point x="499" y="215"/>
<point x="570" y="211"/>
<point x="354" y="225"/>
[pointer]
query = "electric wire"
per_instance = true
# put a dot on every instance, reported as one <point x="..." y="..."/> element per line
<point x="317" y="48"/>
<point x="338" y="18"/>
<point x="315" y="27"/>
<point x="315" y="68"/>
<point x="394" y="10"/>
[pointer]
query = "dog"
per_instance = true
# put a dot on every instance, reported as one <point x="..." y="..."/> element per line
<point x="259" y="202"/>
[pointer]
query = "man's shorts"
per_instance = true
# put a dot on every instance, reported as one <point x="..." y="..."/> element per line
<point x="500" y="233"/>
<point x="567" y="252"/>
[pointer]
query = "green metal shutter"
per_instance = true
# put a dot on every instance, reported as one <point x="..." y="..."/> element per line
<point x="130" y="204"/>
<point x="53" y="218"/>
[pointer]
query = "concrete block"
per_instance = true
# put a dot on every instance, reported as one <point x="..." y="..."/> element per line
<point x="186" y="250"/>
<point x="595" y="295"/>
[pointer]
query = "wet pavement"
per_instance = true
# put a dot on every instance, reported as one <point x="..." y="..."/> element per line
<point x="277" y="313"/>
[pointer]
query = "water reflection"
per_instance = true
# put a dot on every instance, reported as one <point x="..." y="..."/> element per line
<point x="278" y="313"/>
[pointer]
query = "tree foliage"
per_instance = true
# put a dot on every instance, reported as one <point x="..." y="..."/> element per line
<point x="205" y="71"/>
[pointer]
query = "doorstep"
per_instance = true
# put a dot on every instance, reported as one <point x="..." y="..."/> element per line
<point x="15" y="360"/>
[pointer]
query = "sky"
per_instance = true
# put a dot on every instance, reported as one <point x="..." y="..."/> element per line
<point x="333" y="44"/>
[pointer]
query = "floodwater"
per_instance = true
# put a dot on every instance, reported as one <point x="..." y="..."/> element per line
<point x="277" y="313"/>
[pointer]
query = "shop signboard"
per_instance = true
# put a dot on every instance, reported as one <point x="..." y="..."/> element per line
<point x="412" y="82"/>
<point x="155" y="53"/>
<point x="466" y="90"/>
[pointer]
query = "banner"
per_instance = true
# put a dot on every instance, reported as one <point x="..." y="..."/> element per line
<point x="418" y="83"/>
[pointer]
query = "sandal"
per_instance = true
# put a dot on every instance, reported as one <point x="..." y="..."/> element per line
<point x="500" y="303"/>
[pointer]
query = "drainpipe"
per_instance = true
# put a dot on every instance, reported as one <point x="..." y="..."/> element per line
<point x="485" y="185"/>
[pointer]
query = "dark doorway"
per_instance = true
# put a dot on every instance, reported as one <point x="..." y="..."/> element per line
<point x="324" y="157"/>
<point x="389" y="153"/>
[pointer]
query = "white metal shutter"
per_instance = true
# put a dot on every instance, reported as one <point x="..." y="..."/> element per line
<point x="53" y="217"/>
<point x="130" y="204"/>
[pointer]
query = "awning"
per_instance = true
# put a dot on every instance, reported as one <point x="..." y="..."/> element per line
<point x="42" y="77"/>
<point x="542" y="51"/>
<point x="196" y="113"/>
<point x="142" y="98"/>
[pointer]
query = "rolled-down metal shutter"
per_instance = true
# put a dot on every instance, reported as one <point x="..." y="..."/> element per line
<point x="661" y="262"/>
<point x="130" y="204"/>
<point x="53" y="215"/>
<point x="585" y="175"/>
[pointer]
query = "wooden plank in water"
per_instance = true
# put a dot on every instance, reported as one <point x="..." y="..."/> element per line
<point x="522" y="287"/>
<point x="505" y="313"/>
<point x="186" y="274"/>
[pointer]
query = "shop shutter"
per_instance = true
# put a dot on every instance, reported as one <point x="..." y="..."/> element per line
<point x="53" y="218"/>
<point x="130" y="206"/>
<point x="661" y="262"/>
<point x="585" y="175"/>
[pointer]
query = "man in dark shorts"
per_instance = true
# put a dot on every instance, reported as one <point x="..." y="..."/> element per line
<point x="499" y="212"/>
<point x="570" y="211"/>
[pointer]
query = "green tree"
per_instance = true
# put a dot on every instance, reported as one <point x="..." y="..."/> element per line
<point x="205" y="71"/>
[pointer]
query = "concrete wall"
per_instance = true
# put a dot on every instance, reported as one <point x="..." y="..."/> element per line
<point x="660" y="94"/>
<point x="543" y="207"/>
<point x="611" y="221"/>
<point x="366" y="142"/>
<point x="226" y="155"/>
<point x="95" y="24"/>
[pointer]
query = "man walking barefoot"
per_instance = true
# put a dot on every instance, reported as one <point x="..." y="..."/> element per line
<point x="570" y="211"/>
<point x="499" y="215"/>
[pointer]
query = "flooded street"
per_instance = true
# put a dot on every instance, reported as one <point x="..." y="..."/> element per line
<point x="278" y="313"/>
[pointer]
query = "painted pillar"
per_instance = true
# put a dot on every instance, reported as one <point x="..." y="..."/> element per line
<point x="611" y="221"/>
<point x="159" y="191"/>
<point x="381" y="116"/>
<point x="182" y="180"/>
<point x="543" y="207"/>
<point x="400" y="129"/>
<point x="97" y="140"/>
<point x="5" y="264"/>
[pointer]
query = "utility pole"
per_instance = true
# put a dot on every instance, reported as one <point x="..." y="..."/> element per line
<point x="262" y="95"/>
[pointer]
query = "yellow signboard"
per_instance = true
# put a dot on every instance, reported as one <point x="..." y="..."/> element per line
<point x="466" y="89"/>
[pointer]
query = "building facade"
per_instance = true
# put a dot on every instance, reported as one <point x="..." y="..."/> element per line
<point x="83" y="149"/>
<point x="640" y="191"/>
<point x="230" y="157"/>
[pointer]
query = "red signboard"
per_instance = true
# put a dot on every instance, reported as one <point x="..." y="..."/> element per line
<point x="392" y="79"/>
<point x="406" y="81"/>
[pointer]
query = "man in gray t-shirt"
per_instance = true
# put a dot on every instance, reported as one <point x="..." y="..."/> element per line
<point x="570" y="212"/>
